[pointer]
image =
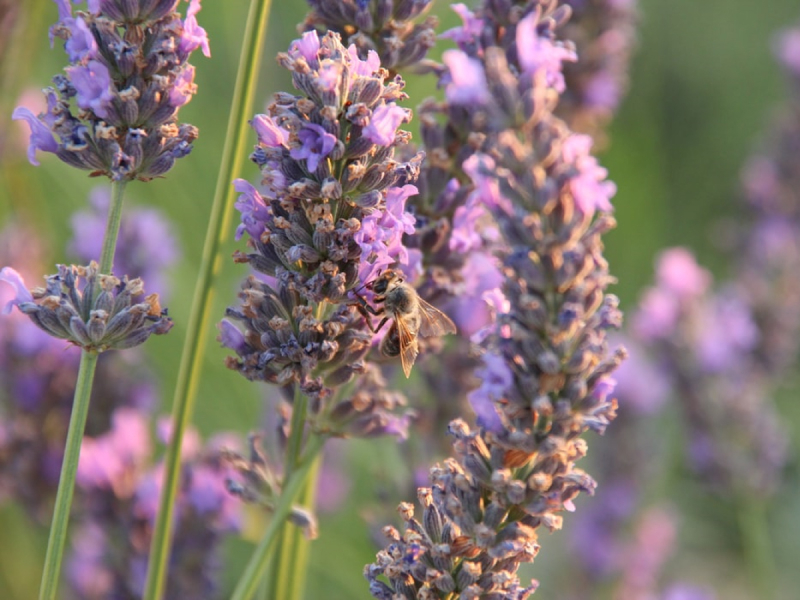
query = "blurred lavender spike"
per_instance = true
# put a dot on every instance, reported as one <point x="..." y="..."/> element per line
<point x="604" y="33"/>
<point x="706" y="342"/>
<point x="120" y="488"/>
<point x="114" y="111"/>
<point x="146" y="247"/>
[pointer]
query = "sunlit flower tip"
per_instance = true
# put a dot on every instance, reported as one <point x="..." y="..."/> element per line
<point x="384" y="123"/>
<point x="365" y="68"/>
<point x="307" y="46"/>
<point x="41" y="136"/>
<point x="14" y="279"/>
<point x="115" y="318"/>
<point x="270" y="134"/>
<point x="466" y="82"/>
<point x="590" y="188"/>
<point x="536" y="53"/>
<point x="184" y="87"/>
<point x="193" y="36"/>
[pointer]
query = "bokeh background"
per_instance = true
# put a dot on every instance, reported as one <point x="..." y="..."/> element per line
<point x="704" y="85"/>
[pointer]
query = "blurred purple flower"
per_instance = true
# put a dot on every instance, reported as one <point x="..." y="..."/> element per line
<point x="384" y="123"/>
<point x="536" y="53"/>
<point x="467" y="81"/>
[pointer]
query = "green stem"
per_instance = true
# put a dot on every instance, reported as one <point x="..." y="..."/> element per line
<point x="756" y="545"/>
<point x="257" y="566"/>
<point x="217" y="234"/>
<point x="282" y="569"/>
<point x="66" y="482"/>
<point x="77" y="420"/>
<point x="112" y="227"/>
<point x="300" y="546"/>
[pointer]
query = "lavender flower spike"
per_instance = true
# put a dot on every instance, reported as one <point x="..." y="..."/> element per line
<point x="330" y="213"/>
<point x="518" y="471"/>
<point x="114" y="111"/>
<point x="116" y="318"/>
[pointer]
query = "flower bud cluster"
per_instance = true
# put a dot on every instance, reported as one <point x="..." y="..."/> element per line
<point x="384" y="26"/>
<point x="114" y="111"/>
<point x="329" y="214"/>
<point x="94" y="311"/>
<point x="547" y="370"/>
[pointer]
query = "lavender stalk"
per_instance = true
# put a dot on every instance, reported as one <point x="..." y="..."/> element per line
<point x="216" y="234"/>
<point x="77" y="421"/>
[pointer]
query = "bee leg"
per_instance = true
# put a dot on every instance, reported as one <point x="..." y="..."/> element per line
<point x="368" y="312"/>
<point x="381" y="324"/>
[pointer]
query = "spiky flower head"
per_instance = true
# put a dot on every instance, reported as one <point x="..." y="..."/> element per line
<point x="328" y="215"/>
<point x="114" y="110"/>
<point x="94" y="311"/>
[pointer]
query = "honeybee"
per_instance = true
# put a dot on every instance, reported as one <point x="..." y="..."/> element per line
<point x="411" y="317"/>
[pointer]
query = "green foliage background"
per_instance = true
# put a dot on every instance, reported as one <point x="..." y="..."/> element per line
<point x="703" y="88"/>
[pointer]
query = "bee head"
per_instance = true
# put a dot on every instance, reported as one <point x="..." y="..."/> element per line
<point x="381" y="284"/>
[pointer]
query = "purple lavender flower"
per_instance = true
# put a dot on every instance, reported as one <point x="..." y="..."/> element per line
<point x="124" y="87"/>
<point x="537" y="53"/>
<point x="316" y="144"/>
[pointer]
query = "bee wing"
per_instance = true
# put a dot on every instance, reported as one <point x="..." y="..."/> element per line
<point x="408" y="346"/>
<point x="434" y="323"/>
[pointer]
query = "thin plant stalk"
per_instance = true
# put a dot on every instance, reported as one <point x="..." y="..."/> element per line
<point x="77" y="421"/>
<point x="257" y="567"/>
<point x="756" y="544"/>
<point x="298" y="561"/>
<point x="284" y="570"/>
<point x="217" y="234"/>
